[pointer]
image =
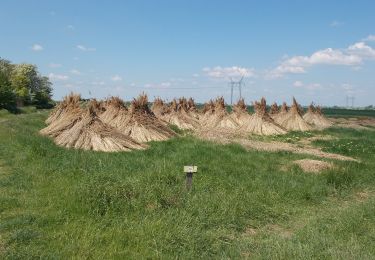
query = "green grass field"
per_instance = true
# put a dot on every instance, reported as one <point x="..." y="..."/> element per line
<point x="59" y="204"/>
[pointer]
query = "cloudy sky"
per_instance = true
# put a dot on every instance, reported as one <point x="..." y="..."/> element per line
<point x="319" y="51"/>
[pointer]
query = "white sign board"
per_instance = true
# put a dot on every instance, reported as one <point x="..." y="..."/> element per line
<point x="190" y="169"/>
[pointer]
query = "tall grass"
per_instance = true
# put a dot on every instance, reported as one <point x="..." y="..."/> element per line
<point x="59" y="203"/>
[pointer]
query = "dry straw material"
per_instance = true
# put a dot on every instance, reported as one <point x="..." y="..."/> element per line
<point x="115" y="113"/>
<point x="86" y="131"/>
<point x="260" y="122"/>
<point x="69" y="104"/>
<point x="142" y="125"/>
<point x="216" y="116"/>
<point x="315" y="118"/>
<point x="292" y="119"/>
<point x="182" y="114"/>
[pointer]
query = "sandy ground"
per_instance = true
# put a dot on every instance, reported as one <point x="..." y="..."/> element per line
<point x="360" y="123"/>
<point x="288" y="147"/>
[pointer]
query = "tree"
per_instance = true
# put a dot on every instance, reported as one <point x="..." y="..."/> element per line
<point x="7" y="95"/>
<point x="24" y="80"/>
<point x="42" y="95"/>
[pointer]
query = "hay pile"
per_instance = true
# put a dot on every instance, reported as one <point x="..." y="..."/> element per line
<point x="260" y="122"/>
<point x="216" y="117"/>
<point x="84" y="130"/>
<point x="239" y="112"/>
<point x="142" y="125"/>
<point x="292" y="119"/>
<point x="315" y="118"/>
<point x="111" y="126"/>
<point x="274" y="109"/>
<point x="159" y="108"/>
<point x="115" y="113"/>
<point x="181" y="114"/>
<point x="69" y="104"/>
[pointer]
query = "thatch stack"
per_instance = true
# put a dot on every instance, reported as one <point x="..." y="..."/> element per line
<point x="239" y="112"/>
<point x="260" y="122"/>
<point x="274" y="109"/>
<point x="192" y="108"/>
<point x="292" y="119"/>
<point x="69" y="104"/>
<point x="142" y="125"/>
<point x="315" y="118"/>
<point x="180" y="114"/>
<point x="111" y="126"/>
<point x="86" y="131"/>
<point x="217" y="117"/>
<point x="159" y="108"/>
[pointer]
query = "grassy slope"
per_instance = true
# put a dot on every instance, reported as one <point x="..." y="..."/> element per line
<point x="58" y="203"/>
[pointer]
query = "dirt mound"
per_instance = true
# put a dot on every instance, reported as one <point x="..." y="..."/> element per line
<point x="315" y="118"/>
<point x="142" y="125"/>
<point x="292" y="119"/>
<point x="216" y="117"/>
<point x="260" y="122"/>
<point x="314" y="166"/>
<point x="86" y="131"/>
<point x="69" y="104"/>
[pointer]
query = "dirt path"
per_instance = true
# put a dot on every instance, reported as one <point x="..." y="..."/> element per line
<point x="288" y="147"/>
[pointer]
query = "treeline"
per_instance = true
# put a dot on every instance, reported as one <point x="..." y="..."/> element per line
<point x="22" y="84"/>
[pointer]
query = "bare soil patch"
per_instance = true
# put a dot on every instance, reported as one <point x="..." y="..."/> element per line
<point x="359" y="123"/>
<point x="288" y="147"/>
<point x="314" y="166"/>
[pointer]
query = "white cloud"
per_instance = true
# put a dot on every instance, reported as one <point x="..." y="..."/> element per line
<point x="84" y="48"/>
<point x="298" y="84"/>
<point x="196" y="75"/>
<point x="98" y="83"/>
<point x="353" y="56"/>
<point x="75" y="72"/>
<point x="336" y="24"/>
<point x="362" y="50"/>
<point x="37" y="47"/>
<point x="310" y="86"/>
<point x="116" y="78"/>
<point x="370" y="38"/>
<point x="165" y="84"/>
<point x="228" y="72"/>
<point x="57" y="77"/>
<point x="54" y="65"/>
<point x="70" y="27"/>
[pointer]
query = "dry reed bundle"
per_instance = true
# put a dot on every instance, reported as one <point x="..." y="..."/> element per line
<point x="315" y="118"/>
<point x="115" y="113"/>
<point x="240" y="114"/>
<point x="88" y="132"/>
<point x="142" y="125"/>
<point x="274" y="109"/>
<point x="159" y="108"/>
<point x="292" y="120"/>
<point x="216" y="117"/>
<point x="179" y="115"/>
<point x="260" y="122"/>
<point x="69" y="103"/>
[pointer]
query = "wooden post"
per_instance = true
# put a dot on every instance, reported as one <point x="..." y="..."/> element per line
<point x="189" y="170"/>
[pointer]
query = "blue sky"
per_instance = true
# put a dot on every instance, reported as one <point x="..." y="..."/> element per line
<point x="319" y="51"/>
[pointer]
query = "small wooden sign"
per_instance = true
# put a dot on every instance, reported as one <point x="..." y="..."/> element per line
<point x="190" y="169"/>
